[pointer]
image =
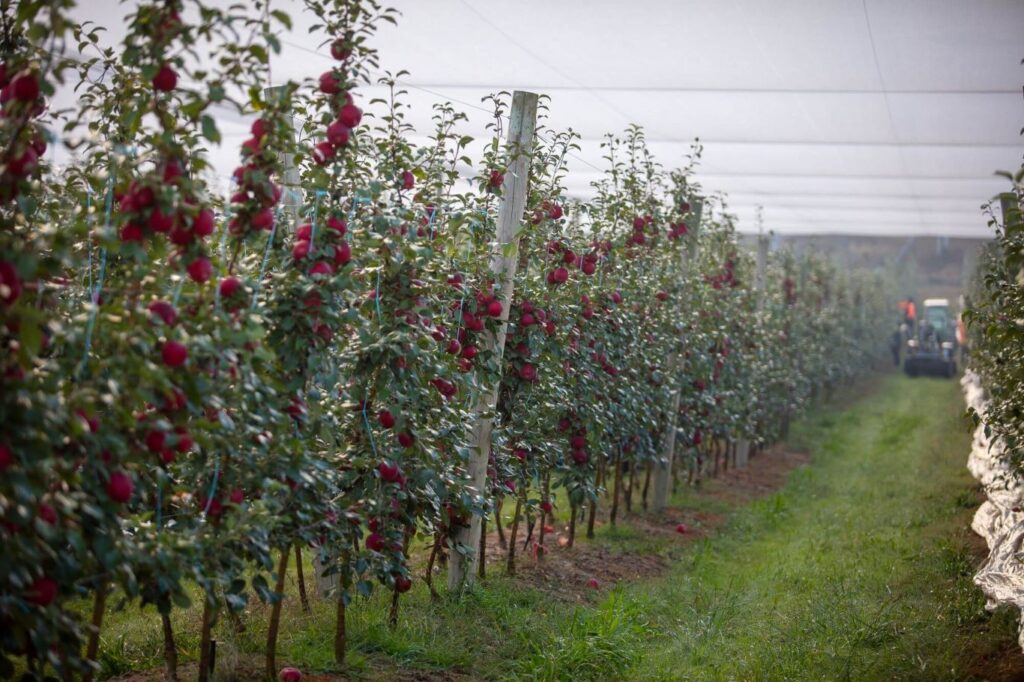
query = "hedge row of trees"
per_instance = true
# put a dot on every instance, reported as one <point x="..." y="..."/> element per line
<point x="195" y="391"/>
<point x="994" y="313"/>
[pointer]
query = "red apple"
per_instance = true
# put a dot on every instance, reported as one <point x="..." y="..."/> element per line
<point x="528" y="372"/>
<point x="329" y="82"/>
<point x="408" y="180"/>
<point x="546" y="506"/>
<point x="200" y="270"/>
<point x="229" y="286"/>
<point x="337" y="224"/>
<point x="174" y="354"/>
<point x="406" y="439"/>
<point x="25" y="87"/>
<point x="165" y="79"/>
<point x="10" y="283"/>
<point x="350" y="116"/>
<point x="386" y="419"/>
<point x="402" y="584"/>
<point x="342" y="254"/>
<point x="322" y="268"/>
<point x="160" y="221"/>
<point x="494" y="308"/>
<point x="155" y="441"/>
<point x="389" y="473"/>
<point x="42" y="591"/>
<point x="165" y="311"/>
<point x="593" y="583"/>
<point x="290" y="675"/>
<point x="374" y="542"/>
<point x="323" y="152"/>
<point x="338" y="134"/>
<point x="341" y="49"/>
<point x="120" y="487"/>
<point x="6" y="457"/>
<point x="204" y="223"/>
<point x="682" y="529"/>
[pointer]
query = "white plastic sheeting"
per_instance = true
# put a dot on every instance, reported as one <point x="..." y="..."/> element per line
<point x="999" y="520"/>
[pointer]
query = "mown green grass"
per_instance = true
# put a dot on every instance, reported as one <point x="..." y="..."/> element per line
<point x="858" y="568"/>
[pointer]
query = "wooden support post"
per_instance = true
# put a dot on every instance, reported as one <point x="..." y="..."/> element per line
<point x="663" y="469"/>
<point x="522" y="124"/>
<point x="291" y="180"/>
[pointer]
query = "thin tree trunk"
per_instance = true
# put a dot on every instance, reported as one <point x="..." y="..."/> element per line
<point x="301" y="578"/>
<point x="481" y="568"/>
<point x="393" y="613"/>
<point x="616" y="486"/>
<point x="510" y="567"/>
<point x="275" y="614"/>
<point x="572" y="528"/>
<point x="629" y="488"/>
<point x="592" y="516"/>
<point x="99" y="607"/>
<point x="544" y="516"/>
<point x="428" y="578"/>
<point x="502" y="543"/>
<point x="204" y="641"/>
<point x="170" y="649"/>
<point x="647" y="483"/>
<point x="340" y="634"/>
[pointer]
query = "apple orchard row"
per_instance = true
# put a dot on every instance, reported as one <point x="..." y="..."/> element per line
<point x="196" y="389"/>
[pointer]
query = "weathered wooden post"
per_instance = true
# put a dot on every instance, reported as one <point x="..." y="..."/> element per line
<point x="663" y="468"/>
<point x="760" y="286"/>
<point x="504" y="260"/>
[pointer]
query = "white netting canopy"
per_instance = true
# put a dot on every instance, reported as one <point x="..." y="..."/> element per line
<point x="858" y="116"/>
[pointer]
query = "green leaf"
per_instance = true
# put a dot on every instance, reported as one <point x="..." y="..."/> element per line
<point x="210" y="131"/>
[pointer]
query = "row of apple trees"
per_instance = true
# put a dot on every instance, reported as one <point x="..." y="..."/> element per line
<point x="995" y="317"/>
<point x="195" y="391"/>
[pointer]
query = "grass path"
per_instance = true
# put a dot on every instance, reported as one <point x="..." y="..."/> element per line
<point x="858" y="568"/>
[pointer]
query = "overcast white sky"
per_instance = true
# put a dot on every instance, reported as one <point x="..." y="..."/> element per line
<point x="857" y="116"/>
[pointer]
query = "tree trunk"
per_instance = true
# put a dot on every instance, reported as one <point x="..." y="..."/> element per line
<point x="632" y="484"/>
<point x="275" y="615"/>
<point x="481" y="568"/>
<point x="170" y="649"/>
<point x="203" y="674"/>
<point x="502" y="543"/>
<point x="340" y="634"/>
<point x="616" y="486"/>
<point x="428" y="578"/>
<point x="572" y="527"/>
<point x="592" y="516"/>
<point x="510" y="567"/>
<point x="647" y="484"/>
<point x="301" y="578"/>
<point x="544" y="516"/>
<point x="393" y="613"/>
<point x="99" y="607"/>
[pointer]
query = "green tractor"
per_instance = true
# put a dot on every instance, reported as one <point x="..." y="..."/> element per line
<point x="931" y="347"/>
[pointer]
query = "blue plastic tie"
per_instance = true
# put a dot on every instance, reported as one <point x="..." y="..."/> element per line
<point x="316" y="211"/>
<point x="213" y="486"/>
<point x="91" y="325"/>
<point x="369" y="431"/>
<point x="266" y="257"/>
<point x="430" y="223"/>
